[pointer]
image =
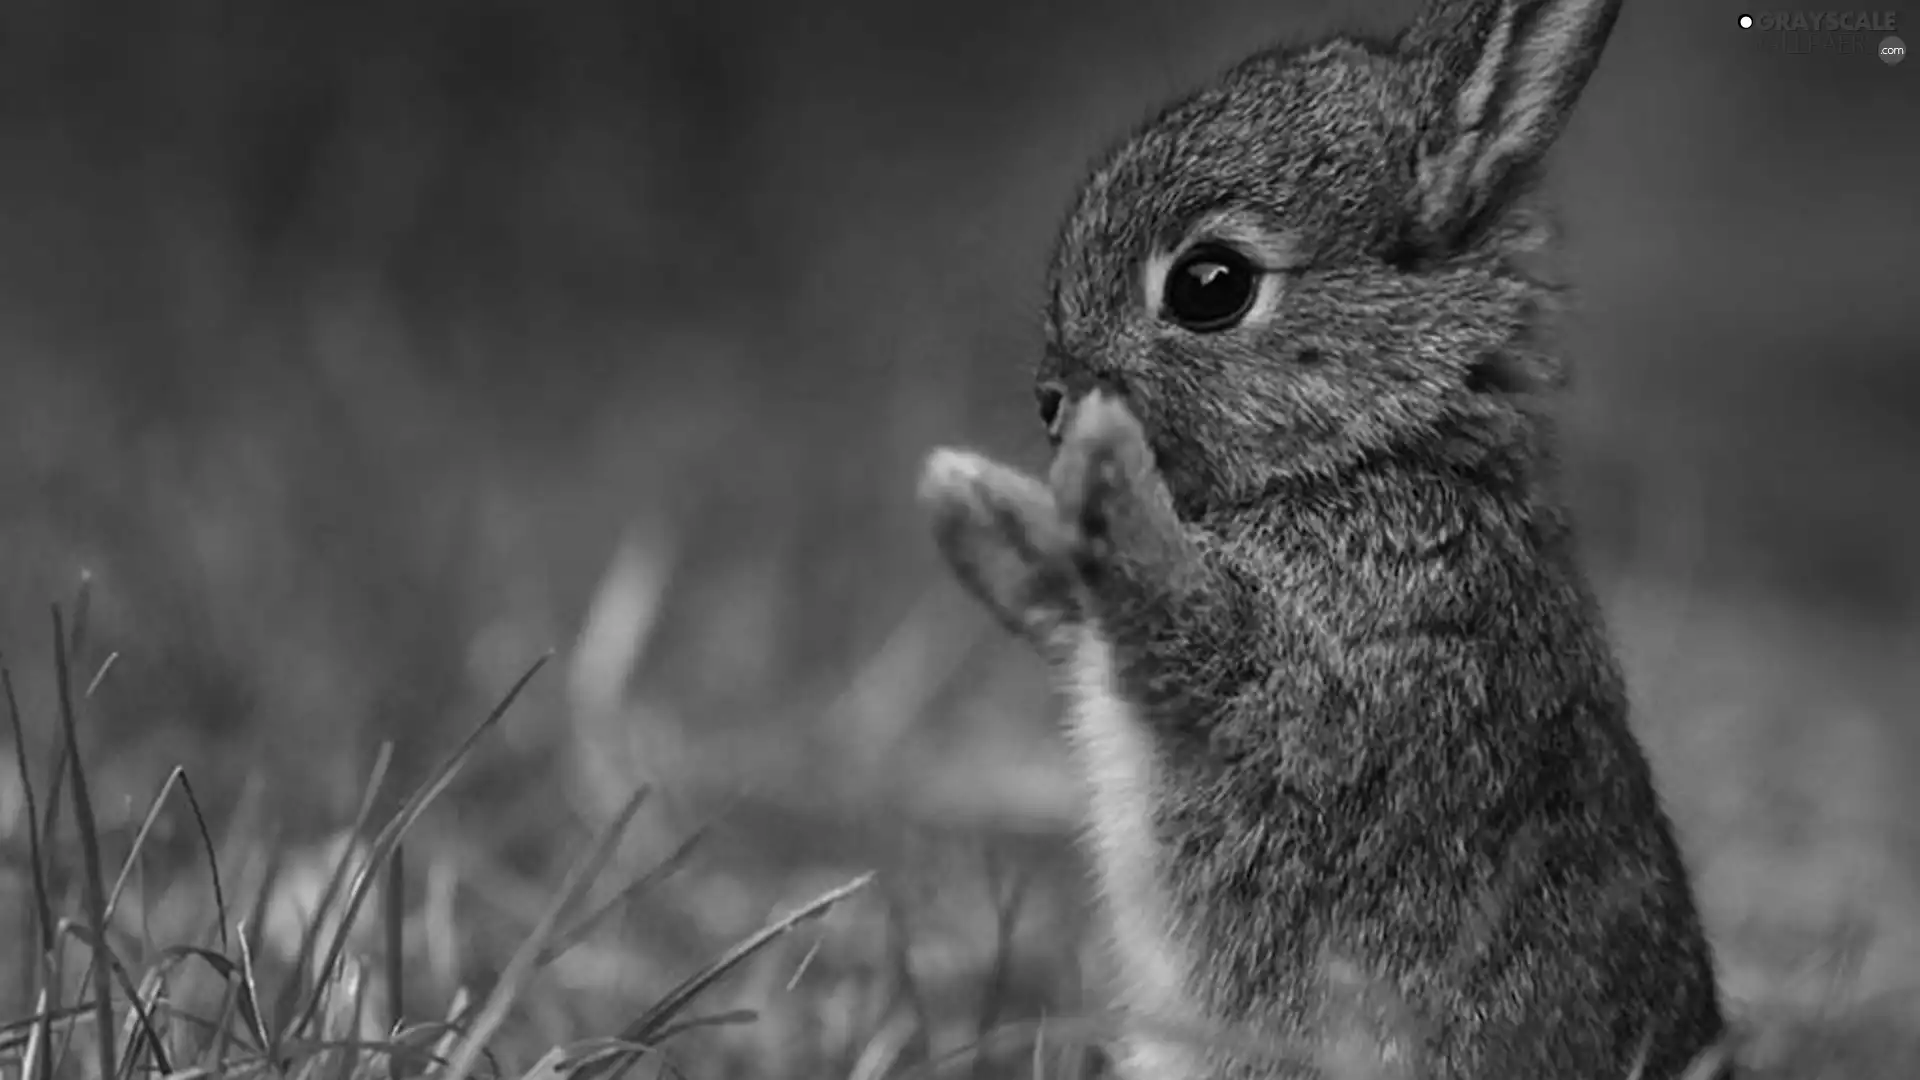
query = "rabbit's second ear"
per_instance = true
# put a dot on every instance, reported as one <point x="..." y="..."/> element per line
<point x="1502" y="77"/>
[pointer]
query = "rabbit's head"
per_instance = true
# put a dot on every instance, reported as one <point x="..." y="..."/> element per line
<point x="1314" y="261"/>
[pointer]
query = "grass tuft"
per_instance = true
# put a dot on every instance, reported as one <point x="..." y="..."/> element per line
<point x="96" y="897"/>
<point x="222" y="1007"/>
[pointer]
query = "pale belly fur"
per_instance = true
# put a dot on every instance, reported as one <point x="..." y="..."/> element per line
<point x="1117" y="759"/>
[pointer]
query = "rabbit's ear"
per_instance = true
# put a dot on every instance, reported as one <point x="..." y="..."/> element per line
<point x="1502" y="75"/>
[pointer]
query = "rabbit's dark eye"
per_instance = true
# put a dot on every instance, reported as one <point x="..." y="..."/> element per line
<point x="1210" y="288"/>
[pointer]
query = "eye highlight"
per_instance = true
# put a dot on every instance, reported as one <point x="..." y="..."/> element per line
<point x="1210" y="288"/>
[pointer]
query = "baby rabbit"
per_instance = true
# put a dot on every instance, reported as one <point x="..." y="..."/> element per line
<point x="1343" y="698"/>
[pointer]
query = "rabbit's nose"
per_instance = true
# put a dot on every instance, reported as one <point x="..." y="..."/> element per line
<point x="1051" y="396"/>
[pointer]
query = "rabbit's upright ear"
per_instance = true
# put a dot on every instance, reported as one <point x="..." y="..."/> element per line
<point x="1499" y="79"/>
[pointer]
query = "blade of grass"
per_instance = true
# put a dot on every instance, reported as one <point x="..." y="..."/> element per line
<point x="347" y="1049"/>
<point x="56" y="788"/>
<point x="223" y="1024"/>
<point x="549" y="1067"/>
<point x="694" y="1023"/>
<point x="658" y="872"/>
<point x="140" y="841"/>
<point x="137" y="1020"/>
<point x="1012" y="1035"/>
<point x="100" y="675"/>
<point x="262" y="1030"/>
<point x="1273" y="1057"/>
<point x="343" y="973"/>
<point x="57" y="977"/>
<point x="429" y="1041"/>
<point x="206" y="846"/>
<point x="410" y="812"/>
<point x="119" y="886"/>
<point x="15" y="1033"/>
<point x="251" y="931"/>
<point x="75" y="644"/>
<point x="62" y="757"/>
<point x="286" y="1001"/>
<point x="39" y="1041"/>
<point x="806" y="961"/>
<point x="645" y="1030"/>
<point x="458" y="1011"/>
<point x="584" y="1055"/>
<point x="42" y="916"/>
<point x="232" y="997"/>
<point x="395" y="920"/>
<point x="148" y="946"/>
<point x="649" y="1023"/>
<point x="887" y="1048"/>
<point x="525" y="961"/>
<point x="29" y="940"/>
<point x="427" y="1030"/>
<point x="96" y="893"/>
<point x="141" y="1019"/>
<point x="345" y="1053"/>
<point x="96" y="949"/>
<point x="139" y="1026"/>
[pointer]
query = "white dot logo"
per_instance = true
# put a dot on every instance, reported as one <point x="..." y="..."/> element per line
<point x="1746" y="22"/>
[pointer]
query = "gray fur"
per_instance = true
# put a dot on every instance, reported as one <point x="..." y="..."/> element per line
<point x="1378" y="724"/>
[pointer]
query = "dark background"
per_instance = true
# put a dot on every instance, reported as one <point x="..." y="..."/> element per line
<point x="346" y="344"/>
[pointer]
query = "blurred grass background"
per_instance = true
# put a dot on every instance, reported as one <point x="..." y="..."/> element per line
<point x="362" y="352"/>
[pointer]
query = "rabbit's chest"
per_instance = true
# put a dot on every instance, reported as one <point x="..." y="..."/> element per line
<point x="1118" y="762"/>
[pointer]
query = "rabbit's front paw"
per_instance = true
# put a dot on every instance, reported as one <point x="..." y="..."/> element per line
<point x="999" y="530"/>
<point x="1112" y="497"/>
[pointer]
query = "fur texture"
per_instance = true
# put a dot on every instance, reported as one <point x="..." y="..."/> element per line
<point x="1342" y="696"/>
